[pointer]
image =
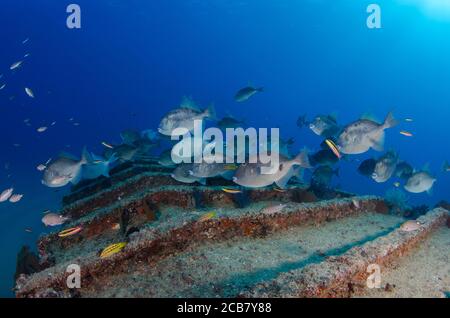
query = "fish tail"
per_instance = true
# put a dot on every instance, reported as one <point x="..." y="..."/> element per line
<point x="85" y="156"/>
<point x="390" y="121"/>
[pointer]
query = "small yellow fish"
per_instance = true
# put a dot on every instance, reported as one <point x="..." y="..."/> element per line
<point x="70" y="232"/>
<point x="396" y="184"/>
<point x="333" y="148"/>
<point x="232" y="191"/>
<point x="230" y="167"/>
<point x="112" y="249"/>
<point x="406" y="133"/>
<point x="207" y="216"/>
<point x="107" y="145"/>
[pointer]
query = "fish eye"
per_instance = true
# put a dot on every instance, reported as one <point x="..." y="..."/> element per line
<point x="311" y="126"/>
<point x="374" y="175"/>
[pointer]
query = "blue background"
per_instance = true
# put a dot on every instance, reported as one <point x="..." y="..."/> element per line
<point x="133" y="60"/>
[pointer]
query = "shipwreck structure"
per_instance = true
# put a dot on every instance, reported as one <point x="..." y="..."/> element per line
<point x="256" y="243"/>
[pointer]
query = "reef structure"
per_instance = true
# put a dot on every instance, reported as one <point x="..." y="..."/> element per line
<point x="256" y="243"/>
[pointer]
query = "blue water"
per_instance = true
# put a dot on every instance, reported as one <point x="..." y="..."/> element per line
<point x="133" y="60"/>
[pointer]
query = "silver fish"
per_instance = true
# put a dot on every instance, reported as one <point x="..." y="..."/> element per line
<point x="53" y="219"/>
<point x="364" y="134"/>
<point x="210" y="169"/>
<point x="420" y="182"/>
<point x="63" y="170"/>
<point x="182" y="174"/>
<point x="183" y="117"/>
<point x="247" y="92"/>
<point x="325" y="126"/>
<point x="250" y="174"/>
<point x="6" y="194"/>
<point x="385" y="167"/>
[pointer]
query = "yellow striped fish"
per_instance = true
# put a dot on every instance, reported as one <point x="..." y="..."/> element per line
<point x="112" y="249"/>
<point x="71" y="231"/>
<point x="232" y="191"/>
<point x="208" y="216"/>
<point x="333" y="148"/>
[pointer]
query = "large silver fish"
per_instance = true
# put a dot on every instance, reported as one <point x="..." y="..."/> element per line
<point x="64" y="170"/>
<point x="385" y="167"/>
<point x="183" y="117"/>
<point x="364" y="134"/>
<point x="210" y="169"/>
<point x="183" y="174"/>
<point x="250" y="174"/>
<point x="420" y="182"/>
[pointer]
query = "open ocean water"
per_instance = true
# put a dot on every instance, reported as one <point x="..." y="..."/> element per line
<point x="132" y="61"/>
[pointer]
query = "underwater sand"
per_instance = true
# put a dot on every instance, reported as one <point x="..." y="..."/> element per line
<point x="422" y="273"/>
<point x="227" y="268"/>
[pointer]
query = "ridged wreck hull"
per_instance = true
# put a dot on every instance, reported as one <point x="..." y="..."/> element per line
<point x="308" y="247"/>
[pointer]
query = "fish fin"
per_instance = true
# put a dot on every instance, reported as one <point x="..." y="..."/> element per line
<point x="77" y="178"/>
<point x="333" y="116"/>
<point x="282" y="183"/>
<point x="430" y="191"/>
<point x="445" y="166"/>
<point x="370" y="116"/>
<point x="378" y="145"/>
<point x="426" y="167"/>
<point x="105" y="173"/>
<point x="67" y="155"/>
<point x="390" y="121"/>
<point x="85" y="156"/>
<point x="210" y="112"/>
<point x="188" y="102"/>
<point x="113" y="158"/>
<point x="302" y="159"/>
<point x="202" y="181"/>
